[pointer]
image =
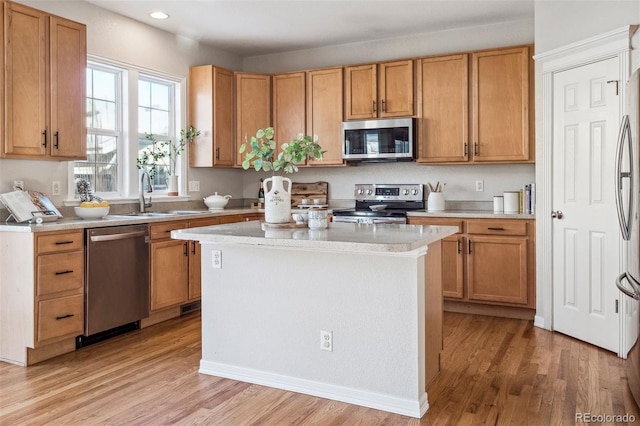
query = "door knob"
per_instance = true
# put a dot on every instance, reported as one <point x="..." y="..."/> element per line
<point x="557" y="214"/>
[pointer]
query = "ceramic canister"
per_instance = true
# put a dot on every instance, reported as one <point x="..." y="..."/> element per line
<point x="498" y="204"/>
<point x="511" y="201"/>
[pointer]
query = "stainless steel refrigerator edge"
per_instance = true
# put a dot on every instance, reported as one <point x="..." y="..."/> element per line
<point x="628" y="201"/>
<point x="117" y="277"/>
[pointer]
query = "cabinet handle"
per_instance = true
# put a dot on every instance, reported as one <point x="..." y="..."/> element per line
<point x="55" y="137"/>
<point x="58" y="243"/>
<point x="459" y="246"/>
<point x="373" y="106"/>
<point x="193" y="247"/>
<point x="186" y="248"/>
<point x="466" y="148"/>
<point x="44" y="138"/>
<point x="383" y="106"/>
<point x="475" y="148"/>
<point x="64" y="316"/>
<point x="495" y="229"/>
<point x="218" y="153"/>
<point x="68" y="271"/>
<point x="469" y="246"/>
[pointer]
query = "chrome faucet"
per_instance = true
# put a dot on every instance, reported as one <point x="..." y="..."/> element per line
<point x="143" y="203"/>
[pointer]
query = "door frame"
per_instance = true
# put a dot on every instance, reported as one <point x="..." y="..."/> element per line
<point x="612" y="44"/>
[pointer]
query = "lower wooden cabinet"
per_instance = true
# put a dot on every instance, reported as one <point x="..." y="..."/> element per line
<point x="488" y="261"/>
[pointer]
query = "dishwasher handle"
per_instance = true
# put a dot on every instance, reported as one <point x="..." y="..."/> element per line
<point x="123" y="236"/>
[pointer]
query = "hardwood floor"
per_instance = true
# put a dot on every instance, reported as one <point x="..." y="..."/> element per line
<point x="495" y="371"/>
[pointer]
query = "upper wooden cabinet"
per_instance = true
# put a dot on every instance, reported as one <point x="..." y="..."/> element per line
<point x="379" y="90"/>
<point x="289" y="106"/>
<point x="253" y="107"/>
<point x="501" y="105"/>
<point x="45" y="72"/>
<point x="493" y="88"/>
<point x="324" y="113"/>
<point x="211" y="112"/>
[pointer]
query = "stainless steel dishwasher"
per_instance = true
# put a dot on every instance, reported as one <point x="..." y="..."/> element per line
<point x="116" y="281"/>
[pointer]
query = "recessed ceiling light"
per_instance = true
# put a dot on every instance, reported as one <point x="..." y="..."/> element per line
<point x="158" y="15"/>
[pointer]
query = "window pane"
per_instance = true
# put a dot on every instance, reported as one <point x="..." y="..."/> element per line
<point x="101" y="167"/>
<point x="106" y="178"/>
<point x="104" y="85"/>
<point x="160" y="96"/>
<point x="104" y="115"/>
<point x="144" y="120"/>
<point x="158" y="167"/>
<point x="90" y="113"/>
<point x="160" y="122"/>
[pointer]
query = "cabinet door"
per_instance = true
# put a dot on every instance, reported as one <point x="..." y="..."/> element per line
<point x="169" y="273"/>
<point x="26" y="132"/>
<point x="443" y="105"/>
<point x="497" y="269"/>
<point x="211" y="112"/>
<point x="68" y="63"/>
<point x="253" y="107"/>
<point x="453" y="267"/>
<point x="360" y="92"/>
<point x="289" y="105"/>
<point x="395" y="89"/>
<point x="500" y="103"/>
<point x="324" y="113"/>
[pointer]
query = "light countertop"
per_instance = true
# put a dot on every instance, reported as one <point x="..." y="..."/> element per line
<point x="471" y="214"/>
<point x="338" y="236"/>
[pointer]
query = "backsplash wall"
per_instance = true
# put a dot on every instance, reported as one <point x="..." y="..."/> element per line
<point x="460" y="179"/>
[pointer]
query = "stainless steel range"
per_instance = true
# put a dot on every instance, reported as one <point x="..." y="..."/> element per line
<point x="382" y="203"/>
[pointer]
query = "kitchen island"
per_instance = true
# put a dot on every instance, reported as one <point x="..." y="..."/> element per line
<point x="351" y="313"/>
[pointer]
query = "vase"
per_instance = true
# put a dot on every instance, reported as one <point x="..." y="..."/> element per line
<point x="277" y="200"/>
<point x="172" y="181"/>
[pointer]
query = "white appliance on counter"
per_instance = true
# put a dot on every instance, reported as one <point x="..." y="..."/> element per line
<point x="628" y="203"/>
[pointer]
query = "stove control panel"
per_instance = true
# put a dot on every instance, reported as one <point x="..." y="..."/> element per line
<point x="389" y="192"/>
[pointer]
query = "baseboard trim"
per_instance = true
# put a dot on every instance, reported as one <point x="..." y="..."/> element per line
<point x="491" y="310"/>
<point x="403" y="406"/>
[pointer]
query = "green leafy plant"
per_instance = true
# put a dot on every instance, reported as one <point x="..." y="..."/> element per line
<point x="159" y="152"/>
<point x="261" y="152"/>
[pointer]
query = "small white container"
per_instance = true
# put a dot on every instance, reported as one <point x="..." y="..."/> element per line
<point x="511" y="201"/>
<point x="318" y="219"/>
<point x="435" y="202"/>
<point x="498" y="203"/>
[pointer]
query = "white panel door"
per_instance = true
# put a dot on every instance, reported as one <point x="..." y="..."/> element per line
<point x="586" y="241"/>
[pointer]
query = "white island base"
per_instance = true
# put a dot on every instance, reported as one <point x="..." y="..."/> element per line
<point x="264" y="308"/>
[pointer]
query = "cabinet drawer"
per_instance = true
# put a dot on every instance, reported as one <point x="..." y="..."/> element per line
<point x="497" y="227"/>
<point x="55" y="242"/>
<point x="240" y="218"/>
<point x="60" y="317"/>
<point x="163" y="230"/>
<point x="60" y="272"/>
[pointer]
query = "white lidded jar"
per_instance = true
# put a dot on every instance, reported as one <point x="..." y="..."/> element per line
<point x="277" y="200"/>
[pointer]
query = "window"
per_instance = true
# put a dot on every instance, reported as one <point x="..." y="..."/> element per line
<point x="127" y="109"/>
<point x="104" y="130"/>
<point x="156" y="123"/>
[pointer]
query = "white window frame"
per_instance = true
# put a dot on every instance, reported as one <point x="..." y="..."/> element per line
<point x="128" y="173"/>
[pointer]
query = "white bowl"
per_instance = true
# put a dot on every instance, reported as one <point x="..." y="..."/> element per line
<point x="91" y="212"/>
<point x="300" y="217"/>
<point x="378" y="207"/>
<point x="216" y="202"/>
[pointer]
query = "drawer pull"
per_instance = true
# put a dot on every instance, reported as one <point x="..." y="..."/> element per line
<point x="469" y="246"/>
<point x="459" y="246"/>
<point x="495" y="229"/>
<point x="193" y="247"/>
<point x="59" y="243"/>
<point x="64" y="316"/>
<point x="68" y="271"/>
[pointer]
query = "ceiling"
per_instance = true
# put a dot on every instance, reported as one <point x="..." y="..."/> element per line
<point x="259" y="27"/>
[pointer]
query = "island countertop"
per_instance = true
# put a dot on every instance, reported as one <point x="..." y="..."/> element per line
<point x="380" y="238"/>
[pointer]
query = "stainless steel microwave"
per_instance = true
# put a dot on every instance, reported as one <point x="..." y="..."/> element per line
<point x="378" y="140"/>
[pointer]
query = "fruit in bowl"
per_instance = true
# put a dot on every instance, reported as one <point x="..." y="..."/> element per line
<point x="92" y="209"/>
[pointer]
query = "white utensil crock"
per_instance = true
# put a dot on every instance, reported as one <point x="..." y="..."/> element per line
<point x="435" y="202"/>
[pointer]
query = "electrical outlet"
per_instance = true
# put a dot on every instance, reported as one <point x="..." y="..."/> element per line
<point x="479" y="185"/>
<point x="194" y="186"/>
<point x="55" y="187"/>
<point x="216" y="259"/>
<point x="18" y="185"/>
<point x="326" y="340"/>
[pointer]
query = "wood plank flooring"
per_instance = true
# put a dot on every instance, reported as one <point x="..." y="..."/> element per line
<point x="495" y="371"/>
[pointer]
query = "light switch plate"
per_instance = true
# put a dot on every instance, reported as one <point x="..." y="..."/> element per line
<point x="194" y="186"/>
